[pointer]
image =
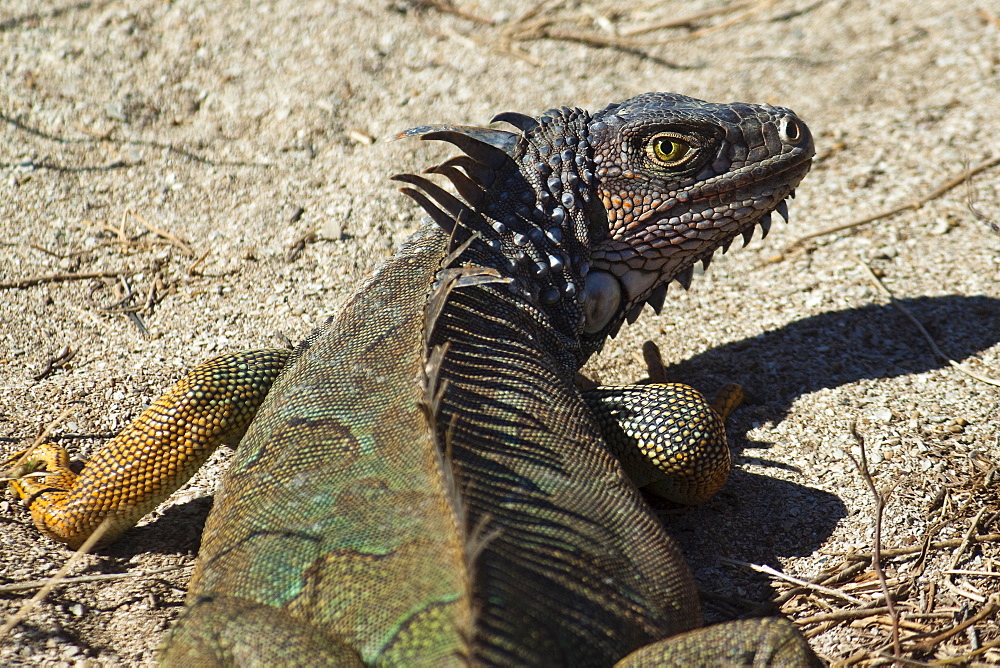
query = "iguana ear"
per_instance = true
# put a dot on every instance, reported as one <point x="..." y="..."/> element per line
<point x="490" y="147"/>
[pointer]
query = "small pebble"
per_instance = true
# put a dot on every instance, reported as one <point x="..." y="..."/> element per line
<point x="883" y="415"/>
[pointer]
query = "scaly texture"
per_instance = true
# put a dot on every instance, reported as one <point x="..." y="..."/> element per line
<point x="153" y="456"/>
<point x="424" y="483"/>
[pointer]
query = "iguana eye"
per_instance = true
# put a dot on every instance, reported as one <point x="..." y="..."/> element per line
<point x="669" y="150"/>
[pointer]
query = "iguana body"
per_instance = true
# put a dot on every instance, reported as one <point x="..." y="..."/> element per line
<point x="424" y="484"/>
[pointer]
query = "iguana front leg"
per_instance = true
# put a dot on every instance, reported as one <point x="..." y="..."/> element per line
<point x="672" y="442"/>
<point x="668" y="436"/>
<point x="160" y="451"/>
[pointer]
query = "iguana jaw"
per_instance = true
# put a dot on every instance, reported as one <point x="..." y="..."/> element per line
<point x="613" y="286"/>
<point x="624" y="280"/>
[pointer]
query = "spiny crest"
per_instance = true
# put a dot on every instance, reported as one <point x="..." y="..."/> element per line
<point x="522" y="205"/>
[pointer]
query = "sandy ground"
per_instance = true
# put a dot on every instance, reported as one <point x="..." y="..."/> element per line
<point x="226" y="165"/>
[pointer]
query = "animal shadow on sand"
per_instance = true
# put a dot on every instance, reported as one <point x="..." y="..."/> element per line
<point x="758" y="518"/>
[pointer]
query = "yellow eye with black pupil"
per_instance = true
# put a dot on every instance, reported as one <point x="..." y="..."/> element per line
<point x="667" y="149"/>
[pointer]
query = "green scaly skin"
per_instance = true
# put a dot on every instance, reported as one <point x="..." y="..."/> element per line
<point x="424" y="484"/>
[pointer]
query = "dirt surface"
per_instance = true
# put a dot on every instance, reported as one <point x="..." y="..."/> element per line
<point x="225" y="165"/>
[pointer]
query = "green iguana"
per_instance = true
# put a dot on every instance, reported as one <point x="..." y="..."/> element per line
<point x="424" y="484"/>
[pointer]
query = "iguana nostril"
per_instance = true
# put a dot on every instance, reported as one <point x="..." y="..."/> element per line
<point x="790" y="129"/>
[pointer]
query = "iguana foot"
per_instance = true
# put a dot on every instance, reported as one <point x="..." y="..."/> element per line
<point x="668" y="436"/>
<point x="138" y="469"/>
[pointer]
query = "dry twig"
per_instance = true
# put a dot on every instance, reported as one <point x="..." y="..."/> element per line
<point x="29" y="281"/>
<point x="56" y="579"/>
<point x="446" y="7"/>
<point x="760" y="6"/>
<point x="991" y="606"/>
<point x="957" y="556"/>
<point x="914" y="549"/>
<point x="846" y="572"/>
<point x="163" y="234"/>
<point x="794" y="580"/>
<point x="35" y="584"/>
<point x="297" y="246"/>
<point x="842" y="615"/>
<point x="58" y="361"/>
<point x="537" y="24"/>
<point x="966" y="658"/>
<point x="970" y="198"/>
<point x="927" y="337"/>
<point x="988" y="17"/>
<point x="45" y="434"/>
<point x="38" y="132"/>
<point x="915" y="204"/>
<point x="685" y="21"/>
<point x="881" y="498"/>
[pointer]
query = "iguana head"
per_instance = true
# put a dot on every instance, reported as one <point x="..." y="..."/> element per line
<point x="591" y="216"/>
<point x="678" y="179"/>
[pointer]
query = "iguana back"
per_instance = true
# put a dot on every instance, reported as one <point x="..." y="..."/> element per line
<point x="335" y="508"/>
